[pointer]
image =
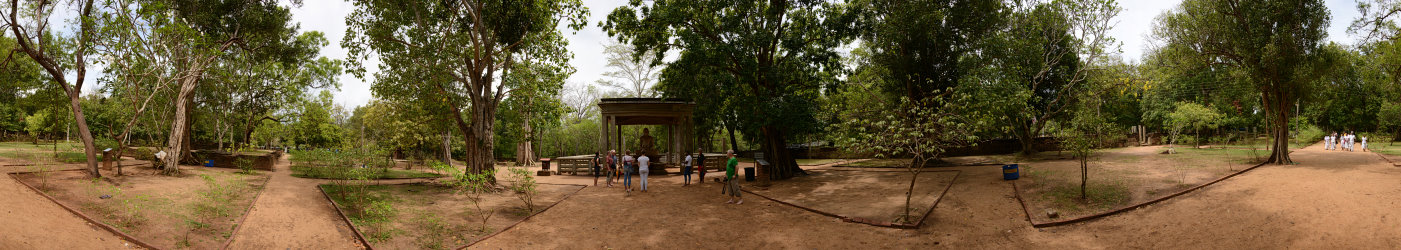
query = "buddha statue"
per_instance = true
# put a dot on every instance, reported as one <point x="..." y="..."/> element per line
<point x="647" y="144"/>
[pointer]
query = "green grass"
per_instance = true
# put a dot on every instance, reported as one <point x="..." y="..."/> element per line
<point x="1384" y="147"/>
<point x="1101" y="196"/>
<point x="880" y="163"/>
<point x="369" y="207"/>
<point x="332" y="173"/>
<point x="813" y="162"/>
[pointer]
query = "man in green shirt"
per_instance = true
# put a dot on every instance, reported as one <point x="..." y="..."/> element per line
<point x="731" y="182"/>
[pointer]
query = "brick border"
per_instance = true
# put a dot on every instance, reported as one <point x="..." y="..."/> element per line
<point x="527" y="218"/>
<point x="241" y="219"/>
<point x="1017" y="192"/>
<point x="873" y="222"/>
<point x="360" y="237"/>
<point x="1388" y="160"/>
<point x="90" y="220"/>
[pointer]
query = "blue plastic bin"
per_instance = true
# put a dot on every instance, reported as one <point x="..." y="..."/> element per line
<point x="1010" y="172"/>
<point x="209" y="163"/>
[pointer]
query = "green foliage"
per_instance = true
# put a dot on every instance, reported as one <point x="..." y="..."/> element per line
<point x="245" y="165"/>
<point x="523" y="186"/>
<point x="476" y="186"/>
<point x="1192" y="116"/>
<point x="1389" y="117"/>
<point x="763" y="85"/>
<point x="1275" y="47"/>
<point x="913" y="128"/>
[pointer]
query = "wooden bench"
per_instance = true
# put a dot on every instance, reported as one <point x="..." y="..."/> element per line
<point x="572" y="164"/>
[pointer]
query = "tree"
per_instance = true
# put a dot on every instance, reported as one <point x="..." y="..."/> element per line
<point x="926" y="46"/>
<point x="1275" y="46"/>
<point x="60" y="56"/>
<point x="907" y="128"/>
<point x="1082" y="136"/>
<point x="451" y="53"/>
<point x="633" y="72"/>
<point x="767" y="60"/>
<point x="1042" y="63"/>
<point x="1192" y="116"/>
<point x="1390" y="117"/>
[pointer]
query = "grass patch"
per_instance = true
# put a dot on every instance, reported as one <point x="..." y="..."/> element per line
<point x="879" y="163"/>
<point x="1102" y="196"/>
<point x="336" y="173"/>
<point x="814" y="162"/>
<point x="369" y="207"/>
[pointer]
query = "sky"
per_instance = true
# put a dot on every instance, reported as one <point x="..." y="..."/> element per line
<point x="1132" y="28"/>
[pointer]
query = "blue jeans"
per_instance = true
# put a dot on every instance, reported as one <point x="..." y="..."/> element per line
<point x="627" y="176"/>
<point x="686" y="171"/>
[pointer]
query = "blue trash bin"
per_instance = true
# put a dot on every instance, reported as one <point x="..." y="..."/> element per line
<point x="209" y="163"/>
<point x="1010" y="172"/>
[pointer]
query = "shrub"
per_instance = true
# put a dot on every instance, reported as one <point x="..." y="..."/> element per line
<point x="524" y="187"/>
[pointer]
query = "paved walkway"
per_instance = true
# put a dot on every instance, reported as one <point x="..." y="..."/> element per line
<point x="293" y="214"/>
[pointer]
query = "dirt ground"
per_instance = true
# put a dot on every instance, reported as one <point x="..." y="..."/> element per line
<point x="156" y="208"/>
<point x="33" y="222"/>
<point x="877" y="195"/>
<point x="432" y="216"/>
<point x="1330" y="200"/>
<point x="293" y="214"/>
<point x="1123" y="176"/>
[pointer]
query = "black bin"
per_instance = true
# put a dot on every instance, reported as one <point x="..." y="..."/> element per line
<point x="749" y="174"/>
<point x="544" y="163"/>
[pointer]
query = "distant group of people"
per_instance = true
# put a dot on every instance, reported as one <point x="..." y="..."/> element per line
<point x="610" y="166"/>
<point x="1345" y="142"/>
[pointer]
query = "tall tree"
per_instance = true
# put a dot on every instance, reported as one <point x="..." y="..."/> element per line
<point x="1041" y="63"/>
<point x="60" y="56"/>
<point x="452" y="52"/>
<point x="770" y="58"/>
<point x="1275" y="45"/>
<point x="634" y="76"/>
<point x="925" y="45"/>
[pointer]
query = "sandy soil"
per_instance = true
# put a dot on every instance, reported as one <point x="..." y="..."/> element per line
<point x="1138" y="174"/>
<point x="423" y="210"/>
<point x="877" y="195"/>
<point x="163" y="203"/>
<point x="292" y="213"/>
<point x="32" y="222"/>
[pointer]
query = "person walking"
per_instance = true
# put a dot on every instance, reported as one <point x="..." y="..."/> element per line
<point x="642" y="170"/>
<point x="700" y="165"/>
<point x="686" y="170"/>
<point x="1364" y="144"/>
<point x="612" y="160"/>
<point x="731" y="182"/>
<point x="1327" y="142"/>
<point x="627" y="170"/>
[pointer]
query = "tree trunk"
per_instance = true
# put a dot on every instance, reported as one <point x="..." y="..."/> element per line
<point x="1279" y="129"/>
<point x="179" y="126"/>
<point x="916" y="168"/>
<point x="447" y="146"/>
<point x="1084" y="176"/>
<point x="1028" y="142"/>
<point x="734" y="144"/>
<point x="775" y="149"/>
<point x="75" y="102"/>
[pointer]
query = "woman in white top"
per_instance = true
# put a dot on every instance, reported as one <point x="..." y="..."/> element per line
<point x="642" y="163"/>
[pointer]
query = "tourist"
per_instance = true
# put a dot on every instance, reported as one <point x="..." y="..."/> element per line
<point x="1364" y="144"/>
<point x="595" y="164"/>
<point x="731" y="182"/>
<point x="700" y="165"/>
<point x="686" y="170"/>
<point x="1327" y="142"/>
<point x="642" y="161"/>
<point x="627" y="170"/>
<point x="612" y="161"/>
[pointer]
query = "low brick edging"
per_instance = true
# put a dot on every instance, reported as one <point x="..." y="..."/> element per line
<point x="1017" y="193"/>
<point x="1387" y="159"/>
<point x="358" y="237"/>
<point x="527" y="218"/>
<point x="90" y="220"/>
<point x="249" y="210"/>
<point x="366" y="244"/>
<point x="874" y="222"/>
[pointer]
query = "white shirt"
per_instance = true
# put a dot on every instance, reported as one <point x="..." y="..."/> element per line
<point x="642" y="162"/>
<point x="688" y="160"/>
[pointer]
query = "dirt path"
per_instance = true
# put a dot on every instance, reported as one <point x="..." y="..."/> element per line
<point x="293" y="214"/>
<point x="32" y="222"/>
